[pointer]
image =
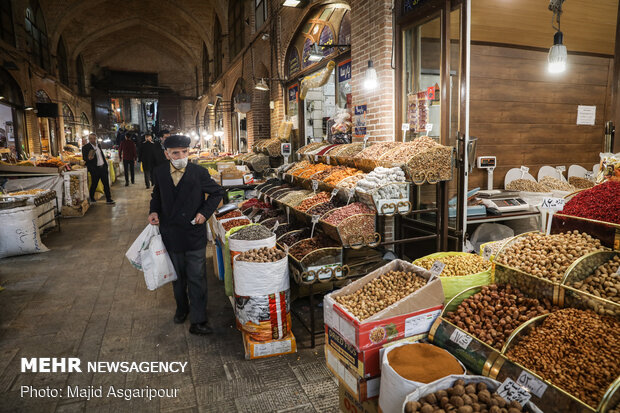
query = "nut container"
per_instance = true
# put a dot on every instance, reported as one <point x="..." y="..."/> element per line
<point x="429" y="167"/>
<point x="580" y="270"/>
<point x="355" y="231"/>
<point x="471" y="351"/>
<point x="322" y="265"/>
<point x="607" y="232"/>
<point x="527" y="283"/>
<point x="544" y="393"/>
<point x="388" y="207"/>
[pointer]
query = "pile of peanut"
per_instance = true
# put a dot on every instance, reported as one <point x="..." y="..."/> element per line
<point x="462" y="398"/>
<point x="604" y="282"/>
<point x="495" y="312"/>
<point x="576" y="350"/>
<point x="262" y="255"/>
<point x="457" y="265"/>
<point x="380" y="293"/>
<point x="548" y="256"/>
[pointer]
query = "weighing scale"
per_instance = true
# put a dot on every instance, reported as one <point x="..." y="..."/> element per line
<point x="497" y="200"/>
<point x="285" y="149"/>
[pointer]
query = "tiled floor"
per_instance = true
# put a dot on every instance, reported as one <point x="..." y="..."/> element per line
<point x="83" y="299"/>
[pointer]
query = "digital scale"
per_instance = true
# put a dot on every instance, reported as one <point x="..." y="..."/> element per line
<point x="285" y="149"/>
<point x="497" y="200"/>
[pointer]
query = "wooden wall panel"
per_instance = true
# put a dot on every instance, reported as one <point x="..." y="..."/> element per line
<point x="526" y="116"/>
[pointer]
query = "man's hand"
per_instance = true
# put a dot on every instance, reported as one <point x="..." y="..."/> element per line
<point x="200" y="219"/>
<point x="154" y="218"/>
<point x="91" y="154"/>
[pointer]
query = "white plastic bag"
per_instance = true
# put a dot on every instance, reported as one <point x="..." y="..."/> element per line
<point x="260" y="278"/>
<point x="394" y="387"/>
<point x="19" y="233"/>
<point x="156" y="263"/>
<point x="133" y="253"/>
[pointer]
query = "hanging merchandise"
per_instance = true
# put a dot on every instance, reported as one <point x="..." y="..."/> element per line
<point x="316" y="79"/>
<point x="417" y="112"/>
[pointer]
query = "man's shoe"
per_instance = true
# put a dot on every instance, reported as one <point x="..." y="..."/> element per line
<point x="180" y="318"/>
<point x="126" y="183"/>
<point x="92" y="201"/>
<point x="110" y="202"/>
<point x="201" y="329"/>
<point x="132" y="182"/>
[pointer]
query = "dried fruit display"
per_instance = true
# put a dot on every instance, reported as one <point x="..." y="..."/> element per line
<point x="292" y="238"/>
<point x="492" y="314"/>
<point x="231" y="214"/>
<point x="340" y="174"/>
<point x="339" y="215"/>
<point x="322" y="209"/>
<point x="580" y="183"/>
<point x="312" y="201"/>
<point x="548" y="256"/>
<point x="601" y="203"/>
<point x="235" y="223"/>
<point x="377" y="150"/>
<point x="347" y="150"/>
<point x="604" y="281"/>
<point x="576" y="350"/>
<point x="310" y="147"/>
<point x="294" y="198"/>
<point x="407" y="150"/>
<point x="554" y="184"/>
<point x="252" y="233"/>
<point x="525" y="185"/>
<point x="380" y="293"/>
<point x="306" y="246"/>
<point x="350" y="182"/>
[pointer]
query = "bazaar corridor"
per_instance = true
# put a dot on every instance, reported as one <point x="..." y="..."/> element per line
<point x="83" y="299"/>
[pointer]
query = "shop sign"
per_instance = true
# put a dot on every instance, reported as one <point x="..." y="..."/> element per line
<point x="359" y="121"/>
<point x="344" y="71"/>
<point x="293" y="62"/>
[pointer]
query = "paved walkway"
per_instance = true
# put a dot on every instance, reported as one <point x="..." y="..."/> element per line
<point x="83" y="299"/>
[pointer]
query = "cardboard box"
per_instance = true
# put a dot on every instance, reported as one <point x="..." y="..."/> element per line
<point x="263" y="349"/>
<point x="231" y="177"/>
<point x="235" y="196"/>
<point x="349" y="404"/>
<point x="361" y="389"/>
<point x="410" y="316"/>
<point x="220" y="166"/>
<point x="75" y="211"/>
<point x="365" y="363"/>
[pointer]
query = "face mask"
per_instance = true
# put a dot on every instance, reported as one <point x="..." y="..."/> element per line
<point x="179" y="163"/>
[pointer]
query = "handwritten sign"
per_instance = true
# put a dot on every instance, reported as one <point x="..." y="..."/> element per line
<point x="437" y="269"/>
<point x="316" y="158"/>
<point x="350" y="193"/>
<point x="561" y="168"/>
<point x="328" y="159"/>
<point x="524" y="170"/>
<point x="531" y="383"/>
<point x="276" y="226"/>
<point x="460" y="338"/>
<point x="256" y="218"/>
<point x="405" y="127"/>
<point x="553" y="204"/>
<point x="315" y="220"/>
<point x="589" y="175"/>
<point x="288" y="214"/>
<point x="315" y="185"/>
<point x="511" y="391"/>
<point x="334" y="193"/>
<point x="429" y="127"/>
<point x="486" y="253"/>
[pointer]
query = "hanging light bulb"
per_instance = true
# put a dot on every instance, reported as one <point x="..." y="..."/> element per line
<point x="557" y="54"/>
<point x="262" y="85"/>
<point x="370" y="77"/>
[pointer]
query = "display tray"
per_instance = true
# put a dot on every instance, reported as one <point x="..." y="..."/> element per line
<point x="29" y="169"/>
<point x="355" y="231"/>
<point x="388" y="206"/>
<point x="545" y="394"/>
<point x="322" y="265"/>
<point x="607" y="232"/>
<point x="581" y="269"/>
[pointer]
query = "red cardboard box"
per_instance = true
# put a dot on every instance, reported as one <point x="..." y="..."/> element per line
<point x="349" y="403"/>
<point x="361" y="389"/>
<point x="408" y="317"/>
<point x="365" y="363"/>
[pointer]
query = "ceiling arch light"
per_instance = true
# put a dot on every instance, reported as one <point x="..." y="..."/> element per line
<point x="295" y="3"/>
<point x="262" y="85"/>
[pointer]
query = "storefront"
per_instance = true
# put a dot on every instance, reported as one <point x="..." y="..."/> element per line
<point x="318" y="66"/>
<point x="13" y="142"/>
<point x="219" y="126"/>
<point x="239" y="118"/>
<point x="47" y="113"/>
<point x="69" y="122"/>
<point x="84" y="130"/>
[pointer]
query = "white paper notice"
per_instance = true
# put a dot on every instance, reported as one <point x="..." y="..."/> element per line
<point x="420" y="323"/>
<point x="586" y="115"/>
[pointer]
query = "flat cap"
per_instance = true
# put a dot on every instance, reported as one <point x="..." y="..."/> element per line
<point x="177" y="141"/>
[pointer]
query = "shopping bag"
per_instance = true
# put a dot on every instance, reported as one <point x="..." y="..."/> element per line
<point x="156" y="263"/>
<point x="133" y="253"/>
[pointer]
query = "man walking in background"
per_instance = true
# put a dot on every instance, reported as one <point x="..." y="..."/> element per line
<point x="179" y="207"/>
<point x="148" y="155"/>
<point x="127" y="152"/>
<point x="97" y="166"/>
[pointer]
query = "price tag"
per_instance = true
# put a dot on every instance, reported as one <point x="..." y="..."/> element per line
<point x="365" y="142"/>
<point x="288" y="214"/>
<point x="350" y="193"/>
<point x="560" y="168"/>
<point x="316" y="158"/>
<point x="553" y="204"/>
<point x="405" y="127"/>
<point x="524" y="170"/>
<point x="328" y="159"/>
<point x="511" y="391"/>
<point x="291" y="178"/>
<point x="460" y="338"/>
<point x="315" y="220"/>
<point x="589" y="175"/>
<point x="531" y="383"/>
<point x="436" y="269"/>
<point x="256" y="218"/>
<point x="486" y="253"/>
<point x="334" y="193"/>
<point x="254" y="212"/>
<point x="275" y="227"/>
<point x="298" y="156"/>
<point x="429" y="127"/>
<point x="315" y="185"/>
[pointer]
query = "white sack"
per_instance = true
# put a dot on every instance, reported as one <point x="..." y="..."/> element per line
<point x="260" y="278"/>
<point x="19" y="234"/>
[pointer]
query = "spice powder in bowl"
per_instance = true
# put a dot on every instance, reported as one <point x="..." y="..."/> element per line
<point x="423" y="363"/>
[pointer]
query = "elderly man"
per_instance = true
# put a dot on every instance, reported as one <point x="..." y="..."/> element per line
<point x="179" y="207"/>
<point x="97" y="165"/>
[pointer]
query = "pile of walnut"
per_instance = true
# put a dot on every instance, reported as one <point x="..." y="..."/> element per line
<point x="605" y="282"/>
<point x="576" y="350"/>
<point x="462" y="398"/>
<point x="262" y="255"/>
<point x="380" y="293"/>
<point x="548" y="256"/>
<point x="492" y="314"/>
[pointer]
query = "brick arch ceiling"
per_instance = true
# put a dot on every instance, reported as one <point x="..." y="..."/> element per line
<point x="190" y="15"/>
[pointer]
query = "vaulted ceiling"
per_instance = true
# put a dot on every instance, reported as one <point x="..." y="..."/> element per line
<point x="162" y="36"/>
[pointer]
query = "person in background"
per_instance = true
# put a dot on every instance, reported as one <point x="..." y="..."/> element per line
<point x="127" y="152"/>
<point x="179" y="207"/>
<point x="97" y="166"/>
<point x="160" y="157"/>
<point x="147" y="154"/>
